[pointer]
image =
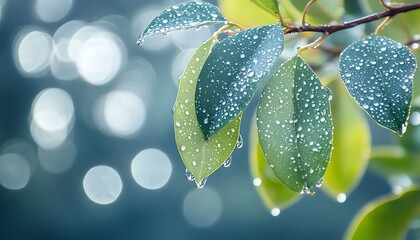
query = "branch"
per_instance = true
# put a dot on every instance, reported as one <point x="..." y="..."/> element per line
<point x="329" y="29"/>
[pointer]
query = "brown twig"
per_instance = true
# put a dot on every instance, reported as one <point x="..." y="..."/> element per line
<point x="345" y="25"/>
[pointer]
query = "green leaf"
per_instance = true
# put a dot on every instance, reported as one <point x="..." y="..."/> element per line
<point x="246" y="13"/>
<point x="201" y="157"/>
<point x="275" y="195"/>
<point x="191" y="14"/>
<point x="378" y="72"/>
<point x="394" y="160"/>
<point x="232" y="73"/>
<point x="411" y="139"/>
<point x="351" y="144"/>
<point x="386" y="218"/>
<point x="268" y="5"/>
<point x="295" y="126"/>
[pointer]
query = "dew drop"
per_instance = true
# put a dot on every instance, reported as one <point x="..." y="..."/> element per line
<point x="257" y="182"/>
<point x="140" y="41"/>
<point x="183" y="147"/>
<point x="240" y="142"/>
<point x="275" y="212"/>
<point x="341" y="197"/>
<point x="201" y="184"/>
<point x="228" y="162"/>
<point x="319" y="183"/>
<point x="189" y="176"/>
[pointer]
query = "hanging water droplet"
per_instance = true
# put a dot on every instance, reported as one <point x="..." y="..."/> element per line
<point x="140" y="41"/>
<point x="275" y="212"/>
<point x="189" y="176"/>
<point x="228" y="162"/>
<point x="240" y="142"/>
<point x="201" y="184"/>
<point x="319" y="183"/>
<point x="341" y="197"/>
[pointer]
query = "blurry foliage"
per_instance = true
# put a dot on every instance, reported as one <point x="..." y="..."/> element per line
<point x="287" y="149"/>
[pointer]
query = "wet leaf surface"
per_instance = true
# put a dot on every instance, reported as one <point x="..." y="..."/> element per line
<point x="192" y="14"/>
<point x="378" y="73"/>
<point x="201" y="157"/>
<point x="232" y="73"/>
<point x="295" y="126"/>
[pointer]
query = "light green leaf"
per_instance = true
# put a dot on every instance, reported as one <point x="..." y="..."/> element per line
<point x="275" y="195"/>
<point x="294" y="125"/>
<point x="191" y="14"/>
<point x="232" y="74"/>
<point x="246" y="13"/>
<point x="394" y="160"/>
<point x="351" y="144"/>
<point x="201" y="157"/>
<point x="378" y="72"/>
<point x="387" y="218"/>
<point x="268" y="5"/>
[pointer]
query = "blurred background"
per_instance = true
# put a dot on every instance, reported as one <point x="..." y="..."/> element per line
<point x="87" y="149"/>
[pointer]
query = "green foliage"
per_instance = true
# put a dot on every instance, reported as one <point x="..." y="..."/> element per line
<point x="232" y="73"/>
<point x="293" y="152"/>
<point x="201" y="156"/>
<point x="351" y="144"/>
<point x="378" y="72"/>
<point x="295" y="126"/>
<point x="387" y="218"/>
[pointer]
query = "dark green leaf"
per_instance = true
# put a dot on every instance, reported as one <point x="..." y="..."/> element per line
<point x="276" y="195"/>
<point x="351" y="144"/>
<point x="378" y="72"/>
<point x="268" y="5"/>
<point x="232" y="73"/>
<point x="295" y="126"/>
<point x="201" y="157"/>
<point x="387" y="218"/>
<point x="192" y="14"/>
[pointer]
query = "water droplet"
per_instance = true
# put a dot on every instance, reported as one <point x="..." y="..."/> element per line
<point x="140" y="41"/>
<point x="242" y="55"/>
<point x="240" y="142"/>
<point x="319" y="183"/>
<point x="275" y="211"/>
<point x="201" y="184"/>
<point x="257" y="182"/>
<point x="341" y="197"/>
<point x="183" y="147"/>
<point x="228" y="162"/>
<point x="189" y="176"/>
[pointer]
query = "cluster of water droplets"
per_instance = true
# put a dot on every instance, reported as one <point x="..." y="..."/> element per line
<point x="192" y="14"/>
<point x="294" y="125"/>
<point x="378" y="72"/>
<point x="232" y="74"/>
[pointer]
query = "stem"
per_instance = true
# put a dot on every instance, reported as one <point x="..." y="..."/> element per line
<point x="382" y="25"/>
<point x="345" y="25"/>
<point x="308" y="5"/>
<point x="315" y="44"/>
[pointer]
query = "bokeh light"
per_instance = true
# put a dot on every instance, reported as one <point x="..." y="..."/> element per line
<point x="52" y="10"/>
<point x="52" y="117"/>
<point x="180" y="63"/>
<point x="120" y="113"/>
<point x="59" y="159"/>
<point x="191" y="38"/>
<point x="102" y="184"/>
<point x="151" y="169"/>
<point x="14" y="171"/>
<point x="22" y="148"/>
<point x="202" y="207"/>
<point x="32" y="51"/>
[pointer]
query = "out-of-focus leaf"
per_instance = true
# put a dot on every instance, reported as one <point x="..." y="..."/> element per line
<point x="192" y="14"/>
<point x="351" y="144"/>
<point x="394" y="160"/>
<point x="321" y="12"/>
<point x="232" y="73"/>
<point x="268" y="5"/>
<point x="411" y="139"/>
<point x="246" y="13"/>
<point x="378" y="73"/>
<point x="416" y="80"/>
<point x="386" y="218"/>
<point x="201" y="157"/>
<point x="294" y="125"/>
<point x="274" y="194"/>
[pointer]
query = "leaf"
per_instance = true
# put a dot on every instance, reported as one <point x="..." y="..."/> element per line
<point x="411" y="139"/>
<point x="394" y="160"/>
<point x="201" y="157"/>
<point x="378" y="74"/>
<point x="246" y="13"/>
<point x="351" y="144"/>
<point x="232" y="73"/>
<point x="294" y="125"/>
<point x="386" y="218"/>
<point x="191" y="14"/>
<point x="268" y="5"/>
<point x="275" y="195"/>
